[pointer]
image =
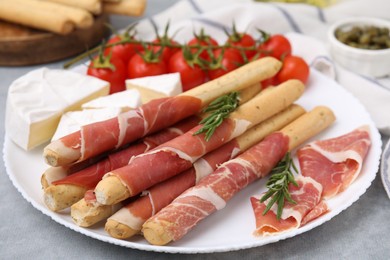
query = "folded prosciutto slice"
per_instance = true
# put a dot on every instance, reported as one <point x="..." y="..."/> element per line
<point x="307" y="196"/>
<point x="335" y="163"/>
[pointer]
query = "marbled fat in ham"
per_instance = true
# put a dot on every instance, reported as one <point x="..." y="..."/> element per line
<point x="160" y="195"/>
<point x="173" y="157"/>
<point x="214" y="190"/>
<point x="107" y="135"/>
<point x="307" y="196"/>
<point x="90" y="176"/>
<point x="336" y="162"/>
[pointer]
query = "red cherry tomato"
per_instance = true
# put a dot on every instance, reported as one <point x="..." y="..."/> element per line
<point x="122" y="51"/>
<point x="225" y="61"/>
<point x="294" y="67"/>
<point x="202" y="39"/>
<point x="168" y="51"/>
<point x="191" y="75"/>
<point x="115" y="75"/>
<point x="243" y="40"/>
<point x="140" y="65"/>
<point x="276" y="46"/>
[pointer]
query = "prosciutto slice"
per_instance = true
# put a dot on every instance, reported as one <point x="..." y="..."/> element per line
<point x="99" y="137"/>
<point x="174" y="156"/>
<point x="90" y="176"/>
<point x="336" y="162"/>
<point x="307" y="196"/>
<point x="153" y="200"/>
<point x="214" y="190"/>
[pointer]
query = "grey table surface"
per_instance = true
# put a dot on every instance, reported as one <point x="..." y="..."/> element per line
<point x="360" y="232"/>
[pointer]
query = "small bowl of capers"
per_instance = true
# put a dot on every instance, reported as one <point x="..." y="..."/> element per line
<point x="362" y="45"/>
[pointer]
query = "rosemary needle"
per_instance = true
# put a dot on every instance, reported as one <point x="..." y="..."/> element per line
<point x="219" y="109"/>
<point x="281" y="177"/>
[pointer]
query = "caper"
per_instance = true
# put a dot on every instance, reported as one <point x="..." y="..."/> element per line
<point x="365" y="37"/>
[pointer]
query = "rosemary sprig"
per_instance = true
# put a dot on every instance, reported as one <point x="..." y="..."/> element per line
<point x="281" y="177"/>
<point x="219" y="109"/>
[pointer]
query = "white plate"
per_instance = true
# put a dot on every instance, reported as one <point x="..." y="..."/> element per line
<point x="231" y="228"/>
<point x="385" y="168"/>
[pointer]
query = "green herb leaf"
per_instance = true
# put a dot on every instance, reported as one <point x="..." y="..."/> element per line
<point x="278" y="183"/>
<point x="219" y="110"/>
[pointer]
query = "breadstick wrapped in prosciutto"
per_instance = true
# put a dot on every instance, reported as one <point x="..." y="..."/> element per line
<point x="179" y="154"/>
<point x="100" y="137"/>
<point x="128" y="220"/>
<point x="215" y="190"/>
<point x="66" y="191"/>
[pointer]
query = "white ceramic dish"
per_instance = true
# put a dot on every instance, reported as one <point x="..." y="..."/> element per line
<point x="374" y="63"/>
<point x="385" y="168"/>
<point x="237" y="217"/>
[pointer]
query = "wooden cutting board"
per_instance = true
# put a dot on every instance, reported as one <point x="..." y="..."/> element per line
<point x="20" y="46"/>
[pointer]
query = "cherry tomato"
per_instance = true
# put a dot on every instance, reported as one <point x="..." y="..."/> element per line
<point x="167" y="52"/>
<point x="202" y="39"/>
<point x="112" y="70"/>
<point x="146" y="64"/>
<point x="191" y="75"/>
<point x="243" y="40"/>
<point x="122" y="51"/>
<point x="294" y="67"/>
<point x="268" y="82"/>
<point x="223" y="62"/>
<point x="276" y="46"/>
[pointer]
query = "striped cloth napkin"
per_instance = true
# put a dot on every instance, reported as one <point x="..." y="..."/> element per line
<point x="305" y="25"/>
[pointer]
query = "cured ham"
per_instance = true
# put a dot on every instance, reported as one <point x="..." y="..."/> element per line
<point x="128" y="221"/>
<point x="111" y="134"/>
<point x="179" y="154"/>
<point x="107" y="135"/>
<point x="91" y="175"/>
<point x="153" y="200"/>
<point x="74" y="186"/>
<point x="307" y="196"/>
<point x="336" y="162"/>
<point x="213" y="191"/>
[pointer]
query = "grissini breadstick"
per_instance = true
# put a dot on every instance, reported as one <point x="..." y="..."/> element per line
<point x="125" y="7"/>
<point x="93" y="6"/>
<point x="17" y="12"/>
<point x="179" y="153"/>
<point x="86" y="213"/>
<point x="53" y="174"/>
<point x="80" y="17"/>
<point x="128" y="220"/>
<point x="154" y="115"/>
<point x="62" y="193"/>
<point x="215" y="190"/>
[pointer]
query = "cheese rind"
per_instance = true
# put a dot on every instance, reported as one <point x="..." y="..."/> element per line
<point x="37" y="100"/>
<point x="125" y="100"/>
<point x="153" y="87"/>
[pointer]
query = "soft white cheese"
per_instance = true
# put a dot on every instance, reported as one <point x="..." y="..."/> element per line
<point x="125" y="100"/>
<point x="73" y="121"/>
<point x="156" y="86"/>
<point x="37" y="100"/>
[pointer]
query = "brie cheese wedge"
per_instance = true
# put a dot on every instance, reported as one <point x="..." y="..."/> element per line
<point x="37" y="100"/>
<point x="153" y="87"/>
<point x="125" y="100"/>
